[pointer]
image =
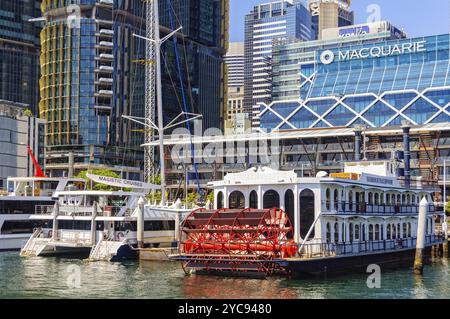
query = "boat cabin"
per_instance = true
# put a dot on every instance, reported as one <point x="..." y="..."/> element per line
<point x="366" y="202"/>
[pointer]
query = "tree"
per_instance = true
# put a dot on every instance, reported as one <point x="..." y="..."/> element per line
<point x="97" y="186"/>
<point x="210" y="197"/>
<point x="27" y="112"/>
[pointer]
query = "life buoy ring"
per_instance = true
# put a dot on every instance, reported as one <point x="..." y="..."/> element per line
<point x="120" y="236"/>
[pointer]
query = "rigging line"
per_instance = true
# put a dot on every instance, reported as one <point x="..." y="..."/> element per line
<point x="184" y="102"/>
<point x="172" y="82"/>
<point x="191" y="98"/>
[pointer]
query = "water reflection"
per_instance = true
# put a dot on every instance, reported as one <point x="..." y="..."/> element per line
<point x="50" y="278"/>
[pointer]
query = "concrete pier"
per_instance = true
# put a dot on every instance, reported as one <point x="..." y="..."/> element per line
<point x="421" y="233"/>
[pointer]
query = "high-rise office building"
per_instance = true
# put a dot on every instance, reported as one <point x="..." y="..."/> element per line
<point x="293" y="60"/>
<point x="235" y="70"/>
<point x="88" y="81"/>
<point x="19" y="52"/>
<point x="330" y="14"/>
<point x="264" y="24"/>
<point x="201" y="48"/>
<point x="93" y="73"/>
<point x="376" y="84"/>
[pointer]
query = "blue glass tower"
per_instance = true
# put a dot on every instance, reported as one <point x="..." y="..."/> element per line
<point x="375" y="84"/>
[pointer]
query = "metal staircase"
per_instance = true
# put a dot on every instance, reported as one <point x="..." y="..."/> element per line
<point x="105" y="250"/>
<point x="35" y="245"/>
<point x="427" y="158"/>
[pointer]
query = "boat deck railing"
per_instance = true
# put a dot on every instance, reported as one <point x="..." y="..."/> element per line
<point x="345" y="208"/>
<point x="318" y="250"/>
<point x="83" y="211"/>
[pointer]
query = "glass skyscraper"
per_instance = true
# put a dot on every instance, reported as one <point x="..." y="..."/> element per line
<point x="93" y="73"/>
<point x="201" y="51"/>
<point x="266" y="23"/>
<point x="19" y="52"/>
<point x="88" y="82"/>
<point x="377" y="84"/>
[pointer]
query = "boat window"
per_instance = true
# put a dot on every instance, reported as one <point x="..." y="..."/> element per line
<point x="290" y="208"/>
<point x="394" y="232"/>
<point x="377" y="232"/>
<point x="351" y="232"/>
<point x="350" y="200"/>
<point x="159" y="225"/>
<point x="236" y="200"/>
<point x="254" y="199"/>
<point x="357" y="232"/>
<point x="370" y="198"/>
<point x="74" y="225"/>
<point x="398" y="199"/>
<point x="219" y="200"/>
<point x="328" y="198"/>
<point x="371" y="232"/>
<point x="389" y="231"/>
<point x="377" y="199"/>
<point x="405" y="230"/>
<point x="413" y="199"/>
<point x="408" y="199"/>
<point x="271" y="199"/>
<point x="336" y="199"/>
<point x="124" y="226"/>
<point x="307" y="212"/>
<point x="403" y="199"/>
<point x="336" y="232"/>
<point x="10" y="227"/>
<point x="398" y="231"/>
<point x="363" y="233"/>
<point x="328" y="233"/>
<point x="388" y="199"/>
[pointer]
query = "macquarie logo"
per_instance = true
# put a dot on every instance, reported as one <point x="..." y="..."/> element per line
<point x="328" y="56"/>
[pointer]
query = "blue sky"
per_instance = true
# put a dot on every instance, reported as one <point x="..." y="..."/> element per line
<point x="416" y="17"/>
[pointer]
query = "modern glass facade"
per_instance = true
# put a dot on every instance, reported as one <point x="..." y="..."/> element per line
<point x="19" y="52"/>
<point x="201" y="51"/>
<point x="88" y="81"/>
<point x="94" y="73"/>
<point x="376" y="84"/>
<point x="263" y="25"/>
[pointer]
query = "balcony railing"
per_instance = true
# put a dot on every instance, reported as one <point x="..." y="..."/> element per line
<point x="344" y="208"/>
<point x="317" y="250"/>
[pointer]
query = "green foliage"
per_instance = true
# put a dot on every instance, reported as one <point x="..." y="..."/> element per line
<point x="210" y="197"/>
<point x="96" y="186"/>
<point x="27" y="112"/>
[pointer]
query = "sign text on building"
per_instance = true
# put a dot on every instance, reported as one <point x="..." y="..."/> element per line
<point x="327" y="57"/>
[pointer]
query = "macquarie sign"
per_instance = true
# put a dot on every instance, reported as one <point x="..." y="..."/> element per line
<point x="328" y="56"/>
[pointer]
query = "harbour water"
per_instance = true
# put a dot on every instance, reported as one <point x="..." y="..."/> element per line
<point x="65" y="278"/>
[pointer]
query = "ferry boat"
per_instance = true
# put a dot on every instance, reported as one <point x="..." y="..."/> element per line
<point x="101" y="225"/>
<point x="267" y="221"/>
<point x="20" y="201"/>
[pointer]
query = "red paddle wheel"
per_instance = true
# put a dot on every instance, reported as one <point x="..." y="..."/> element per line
<point x="236" y="241"/>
